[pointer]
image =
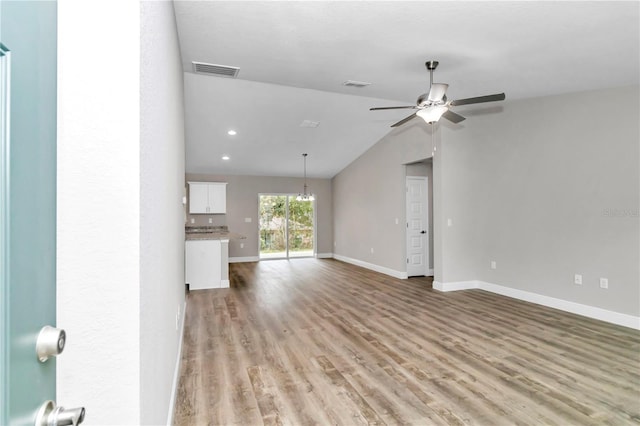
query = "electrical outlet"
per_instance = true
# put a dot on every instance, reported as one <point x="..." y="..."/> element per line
<point x="371" y="250"/>
<point x="397" y="221"/>
<point x="449" y="222"/>
<point x="493" y="264"/>
<point x="604" y="283"/>
<point x="247" y="220"/>
<point x="193" y="220"/>
<point x="577" y="278"/>
<point x="241" y="245"/>
<point x="210" y="220"/>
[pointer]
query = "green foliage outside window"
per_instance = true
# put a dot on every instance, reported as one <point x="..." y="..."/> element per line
<point x="273" y="224"/>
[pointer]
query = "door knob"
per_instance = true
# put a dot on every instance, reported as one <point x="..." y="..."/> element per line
<point x="50" y="342"/>
<point x="51" y="415"/>
<point x="423" y="232"/>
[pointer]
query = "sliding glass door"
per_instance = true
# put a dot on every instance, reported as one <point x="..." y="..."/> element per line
<point x="287" y="227"/>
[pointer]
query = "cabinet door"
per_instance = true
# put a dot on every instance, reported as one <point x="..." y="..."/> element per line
<point x="198" y="198"/>
<point x="202" y="264"/>
<point x="218" y="198"/>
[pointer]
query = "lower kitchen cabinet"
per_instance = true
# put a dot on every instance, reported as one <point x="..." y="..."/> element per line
<point x="207" y="264"/>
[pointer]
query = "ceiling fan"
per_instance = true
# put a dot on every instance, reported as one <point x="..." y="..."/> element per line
<point x="433" y="105"/>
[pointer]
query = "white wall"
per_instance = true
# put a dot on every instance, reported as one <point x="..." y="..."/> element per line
<point x="119" y="216"/>
<point x="99" y="208"/>
<point x="547" y="188"/>
<point x="162" y="149"/>
<point x="369" y="195"/>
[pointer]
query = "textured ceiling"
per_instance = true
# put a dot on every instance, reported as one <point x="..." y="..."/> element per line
<point x="294" y="56"/>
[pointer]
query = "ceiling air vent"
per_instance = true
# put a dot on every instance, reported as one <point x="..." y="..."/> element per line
<point x="354" y="83"/>
<point x="213" y="69"/>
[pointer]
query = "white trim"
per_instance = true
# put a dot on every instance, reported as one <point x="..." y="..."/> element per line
<point x="244" y="259"/>
<point x="176" y="371"/>
<point x="224" y="283"/>
<point x="551" y="302"/>
<point x="382" y="269"/>
<point x="455" y="286"/>
<point x="324" y="255"/>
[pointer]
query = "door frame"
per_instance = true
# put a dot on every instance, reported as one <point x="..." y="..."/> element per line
<point x="425" y="218"/>
<point x="5" y="95"/>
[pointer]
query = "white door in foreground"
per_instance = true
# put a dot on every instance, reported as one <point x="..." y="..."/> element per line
<point x="417" y="226"/>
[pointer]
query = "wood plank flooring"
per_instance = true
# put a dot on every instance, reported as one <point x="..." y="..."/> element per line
<point x="320" y="342"/>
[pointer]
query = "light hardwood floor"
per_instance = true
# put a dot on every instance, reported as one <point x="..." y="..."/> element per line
<point x="311" y="341"/>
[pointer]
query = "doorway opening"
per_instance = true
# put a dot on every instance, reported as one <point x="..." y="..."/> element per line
<point x="419" y="218"/>
<point x="287" y="227"/>
<point x="417" y="226"/>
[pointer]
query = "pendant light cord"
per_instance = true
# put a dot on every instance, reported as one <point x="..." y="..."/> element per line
<point x="305" y="173"/>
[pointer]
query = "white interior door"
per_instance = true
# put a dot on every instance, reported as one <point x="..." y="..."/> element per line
<point x="417" y="226"/>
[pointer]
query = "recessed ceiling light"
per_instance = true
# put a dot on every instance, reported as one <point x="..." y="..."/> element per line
<point x="225" y="157"/>
<point x="232" y="132"/>
<point x="354" y="83"/>
<point x="309" y="123"/>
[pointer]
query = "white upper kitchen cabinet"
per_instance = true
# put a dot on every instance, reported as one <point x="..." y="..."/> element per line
<point x="207" y="197"/>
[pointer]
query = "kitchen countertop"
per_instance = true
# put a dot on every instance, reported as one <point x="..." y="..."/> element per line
<point x="210" y="233"/>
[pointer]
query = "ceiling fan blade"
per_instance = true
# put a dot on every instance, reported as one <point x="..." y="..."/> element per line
<point x="453" y="117"/>
<point x="479" y="99"/>
<point x="398" y="107"/>
<point x="404" y="120"/>
<point x="437" y="91"/>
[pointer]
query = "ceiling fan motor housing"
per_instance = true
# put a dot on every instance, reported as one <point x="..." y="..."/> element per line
<point x="423" y="100"/>
<point x="431" y="65"/>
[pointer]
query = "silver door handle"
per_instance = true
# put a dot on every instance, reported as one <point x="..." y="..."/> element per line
<point x="50" y="342"/>
<point x="51" y="415"/>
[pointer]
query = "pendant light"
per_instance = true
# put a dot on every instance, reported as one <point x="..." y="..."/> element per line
<point x="304" y="196"/>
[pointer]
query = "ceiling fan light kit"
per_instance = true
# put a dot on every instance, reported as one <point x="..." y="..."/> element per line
<point x="434" y="105"/>
<point x="433" y="114"/>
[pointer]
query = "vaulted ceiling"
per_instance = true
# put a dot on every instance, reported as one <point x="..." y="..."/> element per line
<point x="294" y="57"/>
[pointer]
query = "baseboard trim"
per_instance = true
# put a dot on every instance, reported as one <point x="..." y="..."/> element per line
<point x="224" y="283"/>
<point x="244" y="259"/>
<point x="455" y="286"/>
<point x="593" y="312"/>
<point x="176" y="371"/>
<point x="324" y="255"/>
<point x="382" y="269"/>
